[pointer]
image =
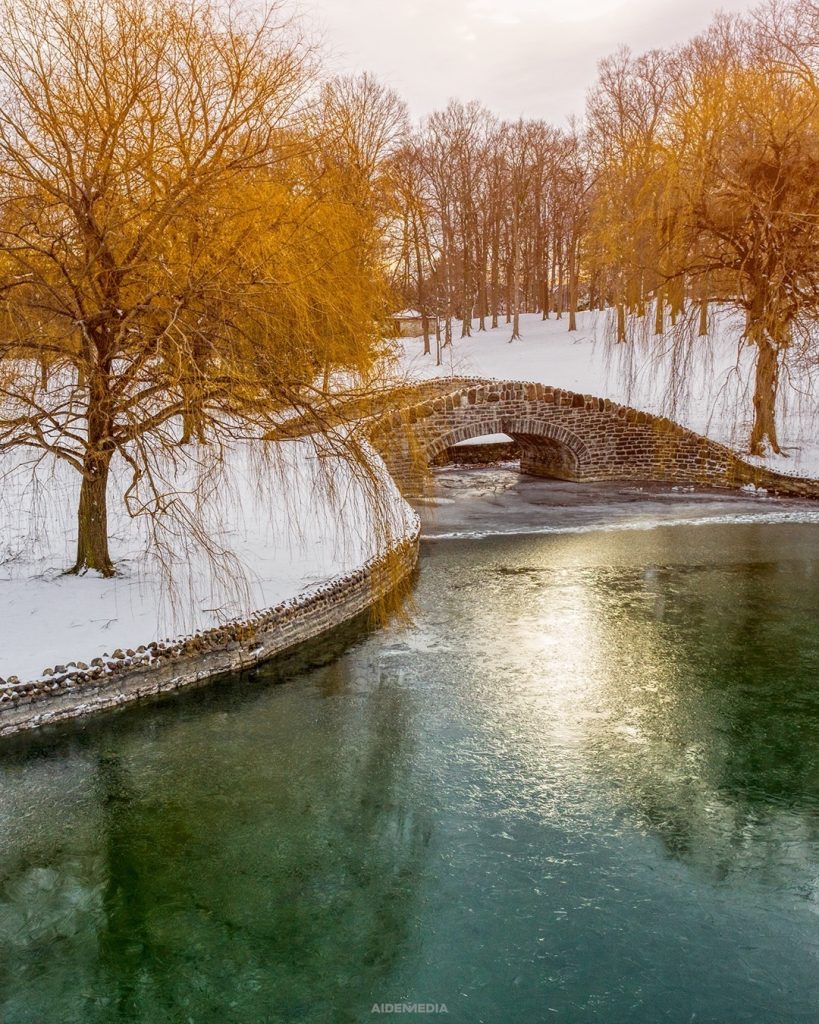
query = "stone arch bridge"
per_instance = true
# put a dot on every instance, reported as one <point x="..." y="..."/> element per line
<point x="560" y="434"/>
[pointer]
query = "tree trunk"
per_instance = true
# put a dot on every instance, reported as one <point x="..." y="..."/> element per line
<point x="515" y="283"/>
<point x="703" y="326"/>
<point x="193" y="422"/>
<point x="92" y="513"/>
<point x="466" y="322"/>
<point x="766" y="385"/>
<point x="467" y="297"/>
<point x="495" y="277"/>
<point x="559" y="312"/>
<point x="659" y="312"/>
<point x="552" y="266"/>
<point x="419" y="284"/>
<point x="92" y="516"/>
<point x="573" y="275"/>
<point x="482" y="303"/>
<point x="621" y="322"/>
<point x="676" y="297"/>
<point x="524" y="288"/>
<point x="437" y="340"/>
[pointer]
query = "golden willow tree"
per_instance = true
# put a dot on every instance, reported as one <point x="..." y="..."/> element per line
<point x="362" y="125"/>
<point x="625" y="112"/>
<point x="744" y="162"/>
<point x="178" y="262"/>
<point x="707" y="186"/>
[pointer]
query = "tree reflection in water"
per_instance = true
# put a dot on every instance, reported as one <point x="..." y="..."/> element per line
<point x="237" y="853"/>
<point x="583" y="779"/>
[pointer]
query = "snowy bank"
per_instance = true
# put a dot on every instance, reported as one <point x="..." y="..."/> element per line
<point x="76" y="690"/>
<point x="278" y="530"/>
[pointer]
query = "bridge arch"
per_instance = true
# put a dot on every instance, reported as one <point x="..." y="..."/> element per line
<point x="561" y="433"/>
<point x="547" y="449"/>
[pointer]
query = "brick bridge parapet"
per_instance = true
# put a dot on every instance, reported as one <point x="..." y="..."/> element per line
<point x="561" y="434"/>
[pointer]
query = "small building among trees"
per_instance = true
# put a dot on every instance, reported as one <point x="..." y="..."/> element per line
<point x="409" y="323"/>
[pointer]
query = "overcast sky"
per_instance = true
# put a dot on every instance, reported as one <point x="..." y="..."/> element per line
<point x="531" y="58"/>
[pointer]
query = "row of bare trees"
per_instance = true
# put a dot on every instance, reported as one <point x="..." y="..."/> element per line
<point x="490" y="215"/>
<point x="693" y="180"/>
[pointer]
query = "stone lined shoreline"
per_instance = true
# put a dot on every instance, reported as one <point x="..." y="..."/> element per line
<point x="78" y="689"/>
<point x="653" y="448"/>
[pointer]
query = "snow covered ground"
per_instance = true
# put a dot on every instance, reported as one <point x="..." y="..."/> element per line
<point x="279" y="531"/>
<point x="716" y="400"/>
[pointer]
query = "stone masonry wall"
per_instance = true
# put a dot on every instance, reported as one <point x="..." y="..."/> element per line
<point x="74" y="690"/>
<point x="563" y="434"/>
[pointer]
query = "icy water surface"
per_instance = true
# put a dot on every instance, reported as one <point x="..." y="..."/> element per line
<point x="581" y="787"/>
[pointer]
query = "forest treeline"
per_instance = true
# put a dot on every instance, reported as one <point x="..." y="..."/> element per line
<point x="693" y="179"/>
<point x="201" y="231"/>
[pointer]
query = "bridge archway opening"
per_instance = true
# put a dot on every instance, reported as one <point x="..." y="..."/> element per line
<point x="484" y="439"/>
<point x="481" y="450"/>
<point x="543" y="450"/>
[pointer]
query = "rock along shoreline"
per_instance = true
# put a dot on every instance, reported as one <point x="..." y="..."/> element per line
<point x="77" y="689"/>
